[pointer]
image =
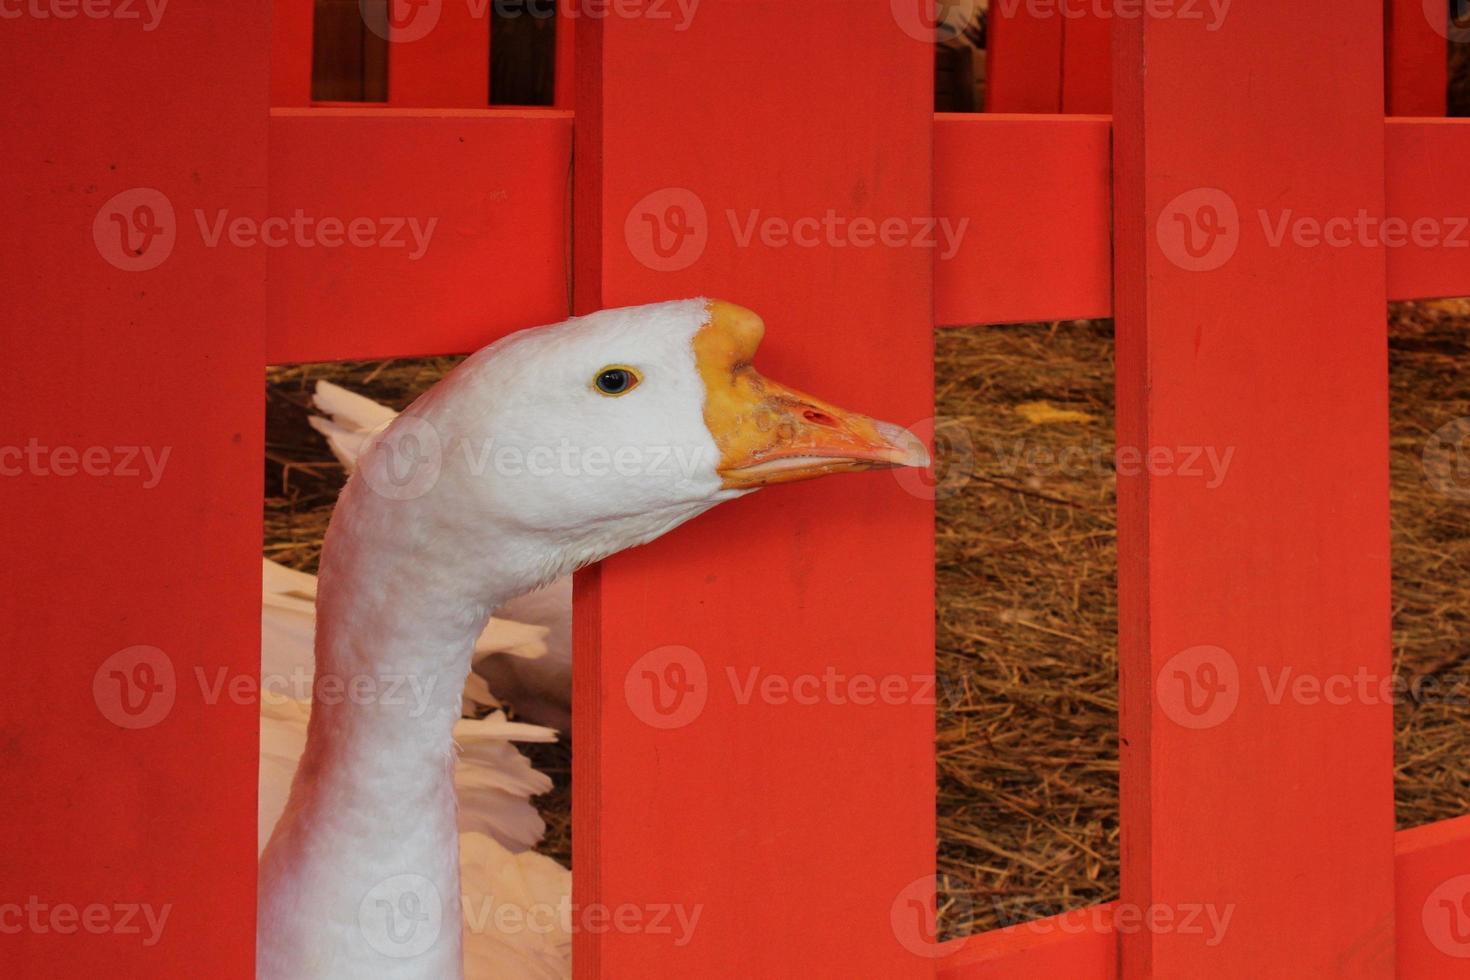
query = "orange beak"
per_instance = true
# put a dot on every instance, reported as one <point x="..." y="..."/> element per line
<point x="767" y="433"/>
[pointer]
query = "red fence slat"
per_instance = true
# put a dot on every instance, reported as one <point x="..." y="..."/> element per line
<point x="493" y="183"/>
<point x="1023" y="60"/>
<point x="800" y="830"/>
<point x="1427" y="188"/>
<point x="1277" y="356"/>
<point x="1087" y="62"/>
<point x="1416" y="58"/>
<point x="566" y="56"/>
<point x="1432" y="878"/>
<point x="291" y="39"/>
<point x="439" y="53"/>
<point x="132" y="526"/>
<point x="1430" y="938"/>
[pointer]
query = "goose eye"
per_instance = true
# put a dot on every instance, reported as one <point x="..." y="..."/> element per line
<point x="616" y="380"/>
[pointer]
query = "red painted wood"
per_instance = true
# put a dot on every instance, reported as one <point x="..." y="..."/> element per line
<point x="1087" y="61"/>
<point x="1036" y="246"/>
<point x="439" y="53"/>
<point x="1080" y="945"/>
<point x="291" y="36"/>
<point x="1284" y="564"/>
<point x="1425" y="188"/>
<point x="1035" y="217"/>
<point x="566" y="56"/>
<point x="797" y="829"/>
<point x="1416" y="59"/>
<point x="493" y="180"/>
<point x="1023" y="62"/>
<point x="97" y="817"/>
<point x="1433" y="887"/>
<point x="1083" y="945"/>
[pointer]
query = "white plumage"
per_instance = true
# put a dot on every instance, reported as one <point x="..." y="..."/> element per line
<point x="540" y="688"/>
<point x="493" y="781"/>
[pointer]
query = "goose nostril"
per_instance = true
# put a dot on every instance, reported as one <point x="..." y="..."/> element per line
<point x="819" y="418"/>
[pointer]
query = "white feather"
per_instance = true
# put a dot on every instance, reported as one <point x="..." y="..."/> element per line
<point x="539" y="688"/>
<point x="493" y="781"/>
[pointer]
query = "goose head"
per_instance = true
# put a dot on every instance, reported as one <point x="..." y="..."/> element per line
<point x="552" y="448"/>
<point x="560" y="445"/>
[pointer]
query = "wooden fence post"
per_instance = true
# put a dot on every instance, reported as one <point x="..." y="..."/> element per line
<point x="438" y="52"/>
<point x="802" y="834"/>
<point x="1256" y="780"/>
<point x="132" y="528"/>
<point x="1023" y="63"/>
<point x="1417" y="57"/>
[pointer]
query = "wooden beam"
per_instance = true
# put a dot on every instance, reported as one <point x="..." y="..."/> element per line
<point x="1280" y="568"/>
<point x="1432" y="879"/>
<point x="134" y="391"/>
<point x="438" y="53"/>
<point x="1087" y="61"/>
<point x="1032" y="232"/>
<point x="1023" y="62"/>
<point x="1427" y="193"/>
<point x="1037" y="215"/>
<point x="1078" y="945"/>
<point x="1031" y="195"/>
<point x="565" y="88"/>
<point x="488" y="186"/>
<point x="1430" y="938"/>
<point x="291" y="44"/>
<point x="757" y="804"/>
<point x="1416" y="57"/>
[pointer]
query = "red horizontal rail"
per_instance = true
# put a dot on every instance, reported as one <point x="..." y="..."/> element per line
<point x="1028" y="196"/>
<point x="1037" y="192"/>
<point x="468" y="214"/>
<point x="1430" y="887"/>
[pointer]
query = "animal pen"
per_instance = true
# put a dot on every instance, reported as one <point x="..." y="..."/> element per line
<point x="805" y="832"/>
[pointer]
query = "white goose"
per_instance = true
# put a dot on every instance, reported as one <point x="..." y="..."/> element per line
<point x="540" y="687"/>
<point x="361" y="878"/>
<point x="493" y="782"/>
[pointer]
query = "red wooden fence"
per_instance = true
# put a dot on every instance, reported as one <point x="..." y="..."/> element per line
<point x="1056" y="55"/>
<point x="805" y="834"/>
